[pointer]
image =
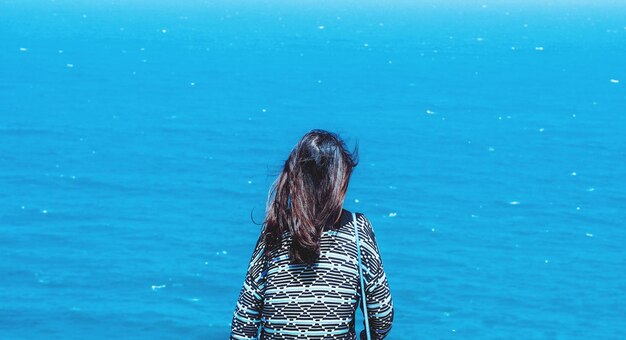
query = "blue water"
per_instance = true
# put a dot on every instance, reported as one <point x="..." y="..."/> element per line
<point x="138" y="139"/>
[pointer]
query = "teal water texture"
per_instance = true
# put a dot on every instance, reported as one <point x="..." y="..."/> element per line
<point x="137" y="141"/>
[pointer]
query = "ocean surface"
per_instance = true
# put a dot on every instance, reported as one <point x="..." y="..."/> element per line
<point x="138" y="142"/>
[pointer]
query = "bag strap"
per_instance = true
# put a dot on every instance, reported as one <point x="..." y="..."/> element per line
<point x="363" y="300"/>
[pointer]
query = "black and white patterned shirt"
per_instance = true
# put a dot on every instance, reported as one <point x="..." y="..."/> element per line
<point x="280" y="300"/>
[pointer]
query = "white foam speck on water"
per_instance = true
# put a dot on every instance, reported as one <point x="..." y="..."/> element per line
<point x="44" y="211"/>
<point x="591" y="189"/>
<point x="392" y="214"/>
<point x="546" y="261"/>
<point x="577" y="208"/>
<point x="263" y="110"/>
<point x="514" y="202"/>
<point x="573" y="173"/>
<point x="589" y="234"/>
<point x="491" y="149"/>
<point x="615" y="81"/>
<point x="224" y="252"/>
<point x="320" y="27"/>
<point x="432" y="229"/>
<point x="192" y="83"/>
<point x="430" y="112"/>
<point x="356" y="200"/>
<point x="60" y="51"/>
<point x="539" y="48"/>
<point x="249" y="182"/>
<point x="541" y="129"/>
<point x="155" y="287"/>
<point x="23" y="49"/>
<point x="164" y="30"/>
<point x="69" y="65"/>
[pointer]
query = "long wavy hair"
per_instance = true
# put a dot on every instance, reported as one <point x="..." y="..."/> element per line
<point x="308" y="194"/>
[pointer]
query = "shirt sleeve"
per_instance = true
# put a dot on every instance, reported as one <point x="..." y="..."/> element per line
<point x="377" y="293"/>
<point x="247" y="315"/>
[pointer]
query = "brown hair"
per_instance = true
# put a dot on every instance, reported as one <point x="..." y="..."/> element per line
<point x="308" y="195"/>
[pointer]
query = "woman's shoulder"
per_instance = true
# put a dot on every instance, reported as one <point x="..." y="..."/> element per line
<point x="346" y="220"/>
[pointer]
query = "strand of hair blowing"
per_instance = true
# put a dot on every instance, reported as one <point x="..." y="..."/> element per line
<point x="308" y="195"/>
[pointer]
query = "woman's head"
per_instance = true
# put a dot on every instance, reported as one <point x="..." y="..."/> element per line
<point x="308" y="194"/>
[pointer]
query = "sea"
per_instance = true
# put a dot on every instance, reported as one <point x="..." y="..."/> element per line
<point x="139" y="140"/>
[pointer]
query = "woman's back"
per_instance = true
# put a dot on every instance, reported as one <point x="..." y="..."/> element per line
<point x="303" y="280"/>
<point x="319" y="300"/>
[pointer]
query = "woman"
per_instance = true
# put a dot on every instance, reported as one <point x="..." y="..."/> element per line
<point x="303" y="279"/>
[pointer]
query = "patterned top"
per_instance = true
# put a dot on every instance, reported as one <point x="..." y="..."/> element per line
<point x="280" y="300"/>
